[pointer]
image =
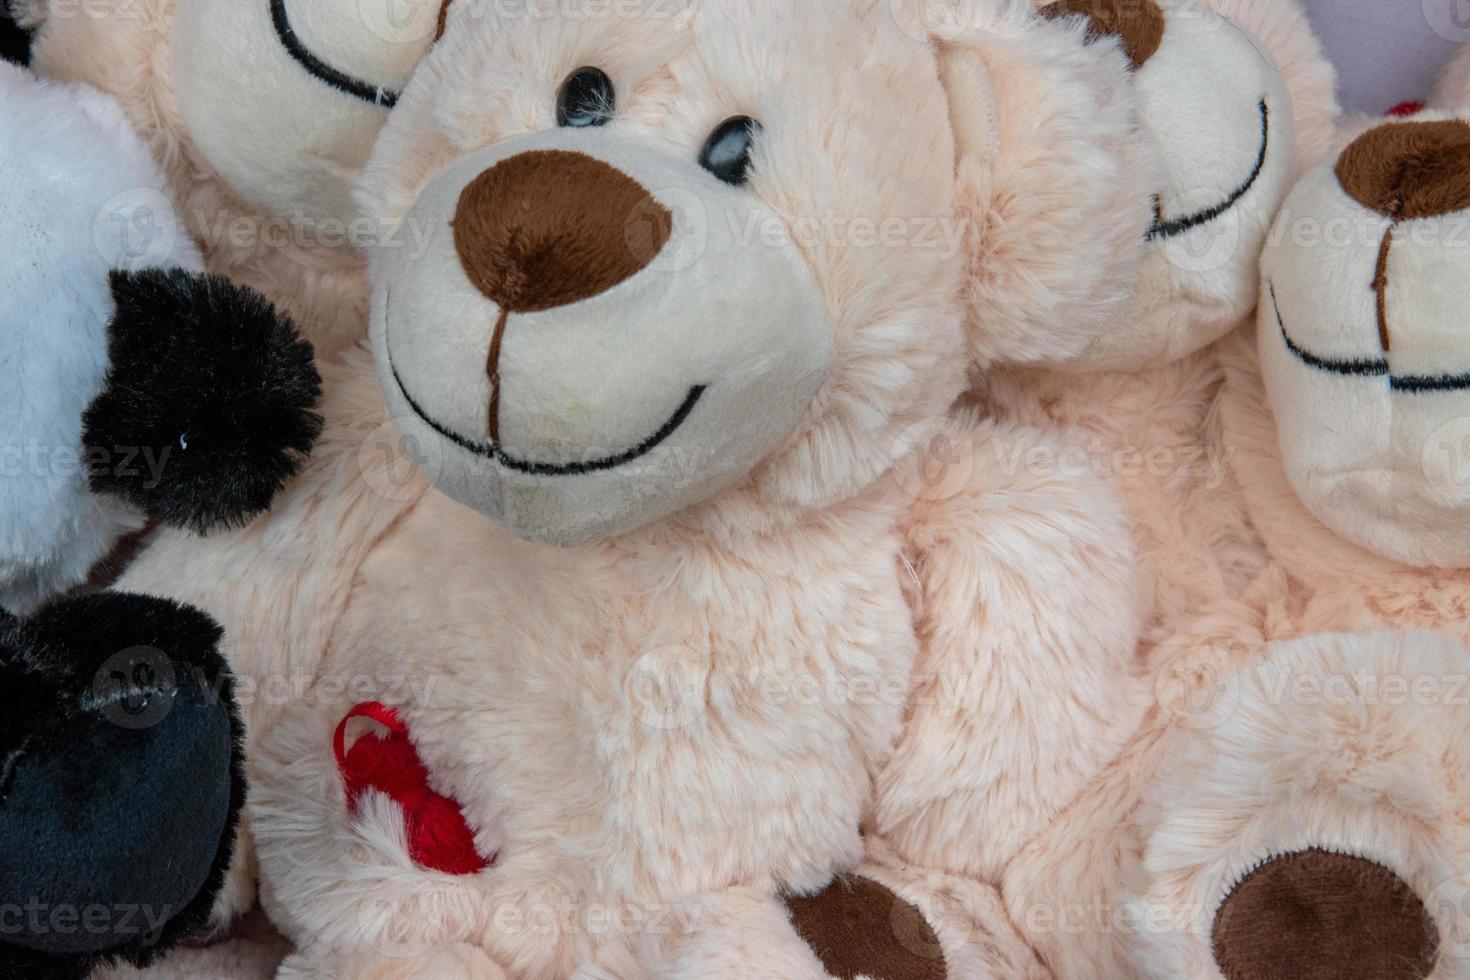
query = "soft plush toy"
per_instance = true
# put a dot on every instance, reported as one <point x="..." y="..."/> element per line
<point x="131" y="387"/>
<point x="1295" y="804"/>
<point x="1361" y="341"/>
<point x="693" y="525"/>
<point x="134" y="385"/>
<point x="1216" y="87"/>
<point x="262" y="114"/>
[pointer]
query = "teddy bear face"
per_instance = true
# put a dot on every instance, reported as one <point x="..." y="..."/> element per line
<point x="285" y="97"/>
<point x="1362" y="344"/>
<point x="1217" y="120"/>
<point x="650" y="261"/>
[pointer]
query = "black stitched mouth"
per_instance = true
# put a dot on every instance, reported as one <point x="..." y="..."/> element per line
<point x="320" y="70"/>
<point x="1164" y="229"/>
<point x="1377" y="367"/>
<point x="496" y="454"/>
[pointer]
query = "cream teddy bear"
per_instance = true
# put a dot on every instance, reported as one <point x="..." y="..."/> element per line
<point x="688" y="524"/>
<point x="263" y="115"/>
<point x="1143" y="389"/>
<point x="1295" y="804"/>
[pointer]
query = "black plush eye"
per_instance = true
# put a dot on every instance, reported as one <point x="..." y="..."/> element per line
<point x="727" y="152"/>
<point x="586" y="98"/>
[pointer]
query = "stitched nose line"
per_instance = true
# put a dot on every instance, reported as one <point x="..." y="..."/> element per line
<point x="548" y="228"/>
<point x="1139" y="24"/>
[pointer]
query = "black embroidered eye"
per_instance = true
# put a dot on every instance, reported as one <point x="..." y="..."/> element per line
<point x="586" y="98"/>
<point x="727" y="152"/>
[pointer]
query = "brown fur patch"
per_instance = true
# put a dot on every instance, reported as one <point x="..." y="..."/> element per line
<point x="1409" y="170"/>
<point x="1314" y="915"/>
<point x="1139" y="24"/>
<point x="858" y="928"/>
<point x="550" y="227"/>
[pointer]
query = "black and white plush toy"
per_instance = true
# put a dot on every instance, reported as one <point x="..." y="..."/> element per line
<point x="133" y="388"/>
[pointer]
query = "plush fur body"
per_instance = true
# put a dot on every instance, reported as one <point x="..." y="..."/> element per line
<point x="1226" y="772"/>
<point x="716" y="699"/>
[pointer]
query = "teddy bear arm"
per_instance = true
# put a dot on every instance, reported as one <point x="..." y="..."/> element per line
<point x="1028" y="625"/>
<point x="1050" y="166"/>
<point x="279" y="585"/>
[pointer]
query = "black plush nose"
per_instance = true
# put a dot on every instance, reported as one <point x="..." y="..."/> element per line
<point x="548" y="228"/>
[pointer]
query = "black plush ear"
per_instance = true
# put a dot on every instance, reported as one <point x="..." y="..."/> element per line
<point x="207" y="408"/>
<point x="121" y="782"/>
<point x="15" y="41"/>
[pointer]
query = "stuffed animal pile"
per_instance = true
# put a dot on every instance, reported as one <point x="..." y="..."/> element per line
<point x="133" y="388"/>
<point x="860" y="489"/>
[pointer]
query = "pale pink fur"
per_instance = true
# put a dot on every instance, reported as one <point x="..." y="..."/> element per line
<point x="710" y="702"/>
<point x="123" y="48"/>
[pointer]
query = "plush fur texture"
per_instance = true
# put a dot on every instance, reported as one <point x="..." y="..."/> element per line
<point x="77" y="222"/>
<point x="121" y="781"/>
<point x="1360" y="343"/>
<point x="15" y="41"/>
<point x="1452" y="94"/>
<point x="1292" y="577"/>
<point x="681" y="709"/>
<point x="134" y="386"/>
<point x="264" y="182"/>
<point x="206" y="378"/>
<point x="1351" y="744"/>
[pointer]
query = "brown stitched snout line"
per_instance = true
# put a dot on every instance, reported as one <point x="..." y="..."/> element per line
<point x="443" y="19"/>
<point x="549" y="228"/>
<point x="1405" y="172"/>
<point x="492" y="368"/>
<point x="1380" y="287"/>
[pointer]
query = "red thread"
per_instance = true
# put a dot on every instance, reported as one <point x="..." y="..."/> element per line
<point x="438" y="836"/>
<point x="1405" y="110"/>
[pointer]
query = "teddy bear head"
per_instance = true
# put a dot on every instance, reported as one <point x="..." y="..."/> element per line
<point x="1361" y="342"/>
<point x="628" y="265"/>
<point x="285" y="98"/>
<point x="1214" y="157"/>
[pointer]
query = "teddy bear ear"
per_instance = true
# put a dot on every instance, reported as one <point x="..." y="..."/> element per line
<point x="1052" y="175"/>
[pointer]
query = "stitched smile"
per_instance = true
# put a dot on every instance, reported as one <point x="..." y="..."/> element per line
<point x="496" y="454"/>
<point x="320" y="70"/>
<point x="1164" y="229"/>
<point x="1376" y="367"/>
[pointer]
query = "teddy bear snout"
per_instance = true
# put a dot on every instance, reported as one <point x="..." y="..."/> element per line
<point x="547" y="228"/>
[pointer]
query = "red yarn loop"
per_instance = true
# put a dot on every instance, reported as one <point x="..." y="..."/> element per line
<point x="386" y="762"/>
